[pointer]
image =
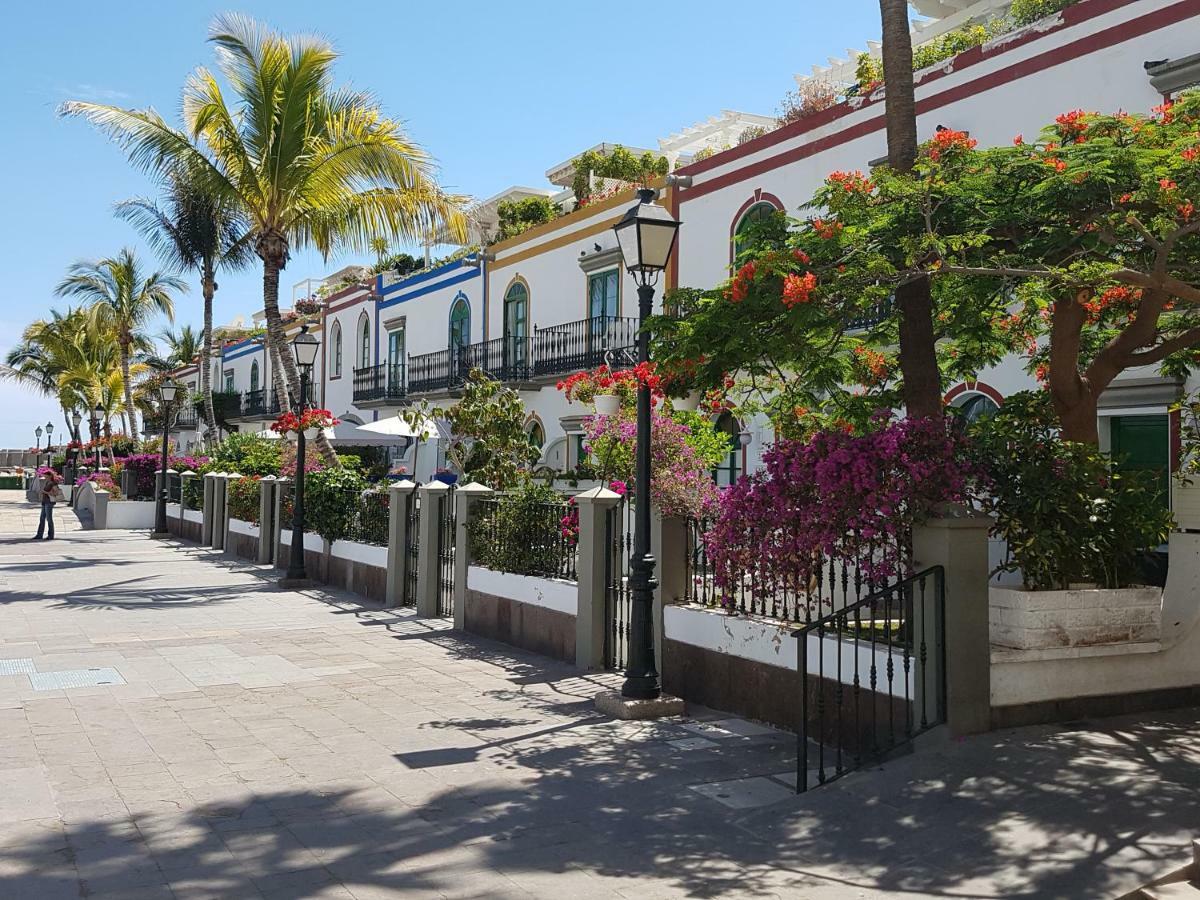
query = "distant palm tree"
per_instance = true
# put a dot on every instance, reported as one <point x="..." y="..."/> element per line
<point x="124" y="301"/>
<point x="195" y="230"/>
<point x="183" y="348"/>
<point x="308" y="163"/>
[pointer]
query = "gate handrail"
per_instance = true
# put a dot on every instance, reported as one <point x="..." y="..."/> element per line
<point x="869" y="600"/>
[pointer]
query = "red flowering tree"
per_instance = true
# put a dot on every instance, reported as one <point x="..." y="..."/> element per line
<point x="1080" y="250"/>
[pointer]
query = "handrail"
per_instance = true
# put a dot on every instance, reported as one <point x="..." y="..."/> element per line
<point x="869" y="600"/>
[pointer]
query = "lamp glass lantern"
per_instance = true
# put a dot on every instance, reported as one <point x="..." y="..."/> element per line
<point x="49" y="429"/>
<point x="646" y="235"/>
<point x="305" y="347"/>
<point x="76" y="418"/>
<point x="38" y="432"/>
<point x="167" y="391"/>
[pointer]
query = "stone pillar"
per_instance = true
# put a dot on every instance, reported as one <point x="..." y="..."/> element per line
<point x="401" y="496"/>
<point x="592" y="569"/>
<point x="668" y="546"/>
<point x="225" y="516"/>
<point x="959" y="544"/>
<point x="465" y="499"/>
<point x="218" y="512"/>
<point x="266" y="517"/>
<point x="128" y="484"/>
<point x="278" y="525"/>
<point x="100" y="514"/>
<point x="209" y="510"/>
<point x="432" y="495"/>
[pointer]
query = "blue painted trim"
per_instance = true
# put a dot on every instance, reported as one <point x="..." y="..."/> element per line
<point x="257" y="348"/>
<point x="458" y="279"/>
<point x="423" y="277"/>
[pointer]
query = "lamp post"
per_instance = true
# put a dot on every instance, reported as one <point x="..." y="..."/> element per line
<point x="646" y="235"/>
<point x="166" y="396"/>
<point x="305" y="347"/>
<point x="37" y="446"/>
<point x="76" y="418"/>
<point x="96" y="414"/>
<point x="49" y="432"/>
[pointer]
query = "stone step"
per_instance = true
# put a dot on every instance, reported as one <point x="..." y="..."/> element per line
<point x="1177" y="890"/>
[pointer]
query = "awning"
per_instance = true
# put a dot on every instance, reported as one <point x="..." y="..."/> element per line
<point x="395" y="427"/>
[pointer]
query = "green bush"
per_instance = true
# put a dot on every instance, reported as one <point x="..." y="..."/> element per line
<point x="331" y="502"/>
<point x="247" y="454"/>
<point x="517" y="216"/>
<point x="1067" y="515"/>
<point x="1023" y="12"/>
<point x="522" y="532"/>
<point x="243" y="498"/>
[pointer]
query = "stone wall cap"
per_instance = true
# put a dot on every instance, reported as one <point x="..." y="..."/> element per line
<point x="435" y="486"/>
<point x="475" y="487"/>
<point x="404" y="484"/>
<point x="598" y="494"/>
<point x="268" y="478"/>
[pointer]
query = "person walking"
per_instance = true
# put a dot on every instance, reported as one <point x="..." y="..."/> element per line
<point x="51" y="494"/>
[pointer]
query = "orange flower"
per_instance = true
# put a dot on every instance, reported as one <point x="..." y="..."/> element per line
<point x="1019" y="140"/>
<point x="798" y="289"/>
<point x="1167" y="184"/>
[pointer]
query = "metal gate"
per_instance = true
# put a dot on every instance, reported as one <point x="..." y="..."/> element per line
<point x="445" y="567"/>
<point x="618" y="541"/>
<point x="412" y="547"/>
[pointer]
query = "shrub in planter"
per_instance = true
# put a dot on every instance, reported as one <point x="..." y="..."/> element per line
<point x="523" y="532"/>
<point x="247" y="454"/>
<point x="243" y="498"/>
<point x="1067" y="515"/>
<point x="331" y="502"/>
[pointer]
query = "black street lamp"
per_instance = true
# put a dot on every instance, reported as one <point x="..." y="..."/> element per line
<point x="96" y="414"/>
<point x="77" y="438"/>
<point x="49" y="432"/>
<point x="305" y="347"/>
<point x="37" y="446"/>
<point x="166" y="396"/>
<point x="646" y="235"/>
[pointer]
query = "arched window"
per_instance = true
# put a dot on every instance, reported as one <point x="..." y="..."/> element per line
<point x="757" y="212"/>
<point x="728" y="472"/>
<point x="976" y="406"/>
<point x="537" y="436"/>
<point x="254" y="376"/>
<point x="460" y="323"/>
<point x="335" y="351"/>
<point x="364" y="341"/>
<point x="516" y="323"/>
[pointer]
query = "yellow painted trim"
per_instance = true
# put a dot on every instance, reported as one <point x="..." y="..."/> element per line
<point x="555" y="244"/>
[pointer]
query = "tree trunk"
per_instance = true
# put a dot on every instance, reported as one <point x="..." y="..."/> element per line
<point x="128" y="387"/>
<point x="209" y="287"/>
<point x="1074" y="396"/>
<point x="273" y="253"/>
<point x="918" y="351"/>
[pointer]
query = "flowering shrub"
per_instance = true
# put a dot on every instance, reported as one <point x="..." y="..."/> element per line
<point x="102" y="481"/>
<point x="836" y="495"/>
<point x="309" y="418"/>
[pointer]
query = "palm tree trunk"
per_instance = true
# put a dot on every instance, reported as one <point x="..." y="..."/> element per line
<point x="918" y="351"/>
<point x="208" y="287"/>
<point x="129" y="410"/>
<point x="272" y="263"/>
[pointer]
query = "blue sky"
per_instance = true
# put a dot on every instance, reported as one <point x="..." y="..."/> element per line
<point x="496" y="92"/>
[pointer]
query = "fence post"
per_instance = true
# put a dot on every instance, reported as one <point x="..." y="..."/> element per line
<point x="465" y="498"/>
<point x="400" y="495"/>
<point x="668" y="546"/>
<point x="225" y="514"/>
<point x="208" y="510"/>
<point x="128" y="485"/>
<point x="592" y="570"/>
<point x="959" y="544"/>
<point x="100" y="513"/>
<point x="277" y="522"/>
<point x="266" y="511"/>
<point x="218" y="517"/>
<point x="432" y="495"/>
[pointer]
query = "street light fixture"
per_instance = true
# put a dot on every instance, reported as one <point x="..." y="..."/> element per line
<point x="166" y="396"/>
<point x="76" y="418"/>
<point x="37" y="446"/>
<point x="97" y="417"/>
<point x="646" y="235"/>
<point x="305" y="347"/>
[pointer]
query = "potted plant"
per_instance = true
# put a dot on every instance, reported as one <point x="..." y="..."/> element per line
<point x="445" y="476"/>
<point x="311" y="421"/>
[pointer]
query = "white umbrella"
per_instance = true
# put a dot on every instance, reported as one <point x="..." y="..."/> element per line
<point x="394" y="426"/>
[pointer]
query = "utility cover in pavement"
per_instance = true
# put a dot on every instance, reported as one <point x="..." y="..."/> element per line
<point x="17" y="666"/>
<point x="73" y="678"/>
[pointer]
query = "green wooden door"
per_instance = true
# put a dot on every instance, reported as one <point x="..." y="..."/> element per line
<point x="1143" y="443"/>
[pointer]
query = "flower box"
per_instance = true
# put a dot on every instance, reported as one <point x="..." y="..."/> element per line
<point x="1079" y="617"/>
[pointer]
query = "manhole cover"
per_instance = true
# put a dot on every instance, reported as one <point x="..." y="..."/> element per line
<point x="17" y="667"/>
<point x="52" y="681"/>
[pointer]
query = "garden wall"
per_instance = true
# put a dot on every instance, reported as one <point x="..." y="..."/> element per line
<point x="748" y="666"/>
<point x="130" y="514"/>
<point x="243" y="540"/>
<point x="535" y="614"/>
<point x="361" y="568"/>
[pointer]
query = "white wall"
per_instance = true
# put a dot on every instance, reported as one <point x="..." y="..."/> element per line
<point x="560" y="596"/>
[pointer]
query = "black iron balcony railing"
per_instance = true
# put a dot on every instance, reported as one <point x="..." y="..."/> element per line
<point x="186" y="419"/>
<point x="437" y="371"/>
<point x="382" y="382"/>
<point x="585" y="344"/>
<point x="505" y="358"/>
<point x="260" y="403"/>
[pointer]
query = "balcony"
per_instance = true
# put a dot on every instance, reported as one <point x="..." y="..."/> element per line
<point x="262" y="403"/>
<point x="379" y="385"/>
<point x="502" y="358"/>
<point x="585" y="344"/>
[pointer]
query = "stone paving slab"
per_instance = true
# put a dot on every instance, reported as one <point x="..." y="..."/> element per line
<point x="272" y="743"/>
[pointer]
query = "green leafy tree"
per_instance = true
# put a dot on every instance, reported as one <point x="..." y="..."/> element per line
<point x="124" y="300"/>
<point x="516" y="216"/>
<point x="487" y="442"/>
<point x="307" y="163"/>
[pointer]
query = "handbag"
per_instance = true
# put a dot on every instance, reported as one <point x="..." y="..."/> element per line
<point x="57" y="494"/>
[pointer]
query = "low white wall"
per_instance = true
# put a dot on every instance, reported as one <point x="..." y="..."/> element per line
<point x="560" y="596"/>
<point x="312" y="542"/>
<point x="237" y="526"/>
<point x="771" y="643"/>
<point x="193" y="515"/>
<point x="1031" y="676"/>
<point x="368" y="554"/>
<point x="85" y="499"/>
<point x="130" y="514"/>
<point x="173" y="510"/>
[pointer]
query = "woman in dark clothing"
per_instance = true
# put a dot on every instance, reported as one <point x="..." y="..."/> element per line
<point x="51" y="492"/>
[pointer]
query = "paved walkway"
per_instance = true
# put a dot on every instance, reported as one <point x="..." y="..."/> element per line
<point x="251" y="742"/>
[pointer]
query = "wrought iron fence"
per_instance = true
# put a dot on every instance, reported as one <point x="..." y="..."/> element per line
<point x="174" y="487"/>
<point x="447" y="528"/>
<point x="382" y="382"/>
<point x="507" y="358"/>
<point x="524" y="537"/>
<point x="412" y="549"/>
<point x="801" y="593"/>
<point x="618" y="599"/>
<point x="438" y="371"/>
<point x="367" y="517"/>
<point x="581" y="345"/>
<point x="871" y="676"/>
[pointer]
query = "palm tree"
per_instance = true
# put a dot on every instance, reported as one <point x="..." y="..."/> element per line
<point x="196" y="231"/>
<point x="124" y="302"/>
<point x="918" y="352"/>
<point x="47" y="348"/>
<point x="307" y="163"/>
<point x="183" y="348"/>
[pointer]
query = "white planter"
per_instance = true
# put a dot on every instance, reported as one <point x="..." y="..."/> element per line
<point x="607" y="404"/>
<point x="310" y="434"/>
<point x="690" y="403"/>
<point x="1084" y="617"/>
<point x="1185" y="504"/>
<point x="291" y="435"/>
